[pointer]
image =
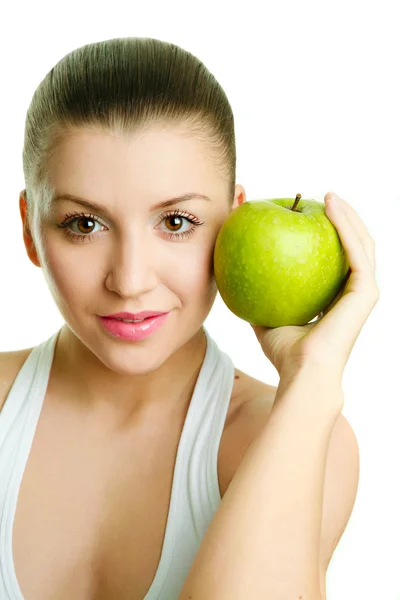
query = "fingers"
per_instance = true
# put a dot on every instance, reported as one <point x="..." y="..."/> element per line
<point x="359" y="227"/>
<point x="356" y="243"/>
<point x="338" y="295"/>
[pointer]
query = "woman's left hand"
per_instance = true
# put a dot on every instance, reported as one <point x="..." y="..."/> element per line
<point x="329" y="340"/>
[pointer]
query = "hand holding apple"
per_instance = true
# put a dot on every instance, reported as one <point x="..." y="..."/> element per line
<point x="328" y="341"/>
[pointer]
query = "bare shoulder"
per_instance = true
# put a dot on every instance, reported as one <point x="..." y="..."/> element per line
<point x="256" y="400"/>
<point x="251" y="402"/>
<point x="254" y="405"/>
<point x="10" y="363"/>
<point x="255" y="408"/>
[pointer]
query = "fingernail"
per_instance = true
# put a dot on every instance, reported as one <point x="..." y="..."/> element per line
<point x="335" y="200"/>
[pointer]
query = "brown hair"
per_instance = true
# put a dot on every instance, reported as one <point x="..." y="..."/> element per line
<point x="125" y="85"/>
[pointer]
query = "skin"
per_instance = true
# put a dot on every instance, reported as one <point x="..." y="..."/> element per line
<point x="133" y="265"/>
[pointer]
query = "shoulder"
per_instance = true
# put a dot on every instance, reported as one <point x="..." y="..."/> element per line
<point x="255" y="408"/>
<point x="255" y="404"/>
<point x="251" y="401"/>
<point x="10" y="364"/>
<point x="251" y="405"/>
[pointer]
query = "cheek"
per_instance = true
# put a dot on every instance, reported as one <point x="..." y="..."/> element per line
<point x="69" y="279"/>
<point x="196" y="272"/>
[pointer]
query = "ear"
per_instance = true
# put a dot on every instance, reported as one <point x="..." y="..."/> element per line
<point x="240" y="196"/>
<point x="27" y="235"/>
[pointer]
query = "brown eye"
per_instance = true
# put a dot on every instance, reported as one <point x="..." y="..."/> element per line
<point x="85" y="220"/>
<point x="176" y="225"/>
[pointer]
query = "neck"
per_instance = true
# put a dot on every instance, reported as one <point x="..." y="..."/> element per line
<point x="122" y="385"/>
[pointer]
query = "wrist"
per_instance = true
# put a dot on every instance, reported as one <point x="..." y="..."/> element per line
<point x="320" y="371"/>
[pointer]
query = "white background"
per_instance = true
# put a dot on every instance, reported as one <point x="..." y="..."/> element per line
<point x="314" y="90"/>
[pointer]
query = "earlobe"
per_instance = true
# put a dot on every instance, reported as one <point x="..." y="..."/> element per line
<point x="28" y="241"/>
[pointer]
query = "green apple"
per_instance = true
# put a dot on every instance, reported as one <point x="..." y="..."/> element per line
<point x="279" y="262"/>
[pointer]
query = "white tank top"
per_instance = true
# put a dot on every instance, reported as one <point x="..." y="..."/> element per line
<point x="195" y="491"/>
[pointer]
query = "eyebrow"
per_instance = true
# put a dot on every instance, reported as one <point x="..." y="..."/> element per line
<point x="98" y="207"/>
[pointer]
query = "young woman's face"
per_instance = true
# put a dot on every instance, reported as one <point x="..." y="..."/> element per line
<point x="133" y="256"/>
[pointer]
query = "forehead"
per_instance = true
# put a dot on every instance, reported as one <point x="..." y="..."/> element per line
<point x="150" y="166"/>
<point x="159" y="153"/>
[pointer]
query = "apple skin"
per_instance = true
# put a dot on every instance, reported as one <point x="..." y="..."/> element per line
<point x="274" y="266"/>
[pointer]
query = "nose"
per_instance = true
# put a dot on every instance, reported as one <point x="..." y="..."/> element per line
<point x="133" y="263"/>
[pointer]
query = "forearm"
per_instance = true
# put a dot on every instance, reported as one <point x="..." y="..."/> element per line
<point x="263" y="542"/>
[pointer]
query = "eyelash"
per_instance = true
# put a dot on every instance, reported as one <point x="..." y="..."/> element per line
<point x="72" y="217"/>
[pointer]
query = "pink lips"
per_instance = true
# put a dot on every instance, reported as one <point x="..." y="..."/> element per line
<point x="134" y="331"/>
<point x="142" y="315"/>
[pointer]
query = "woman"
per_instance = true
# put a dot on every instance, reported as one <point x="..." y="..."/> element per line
<point x="135" y="460"/>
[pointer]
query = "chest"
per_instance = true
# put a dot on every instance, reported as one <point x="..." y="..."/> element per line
<point x="91" y="515"/>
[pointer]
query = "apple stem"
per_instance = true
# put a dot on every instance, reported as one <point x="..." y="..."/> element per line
<point x="298" y="196"/>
